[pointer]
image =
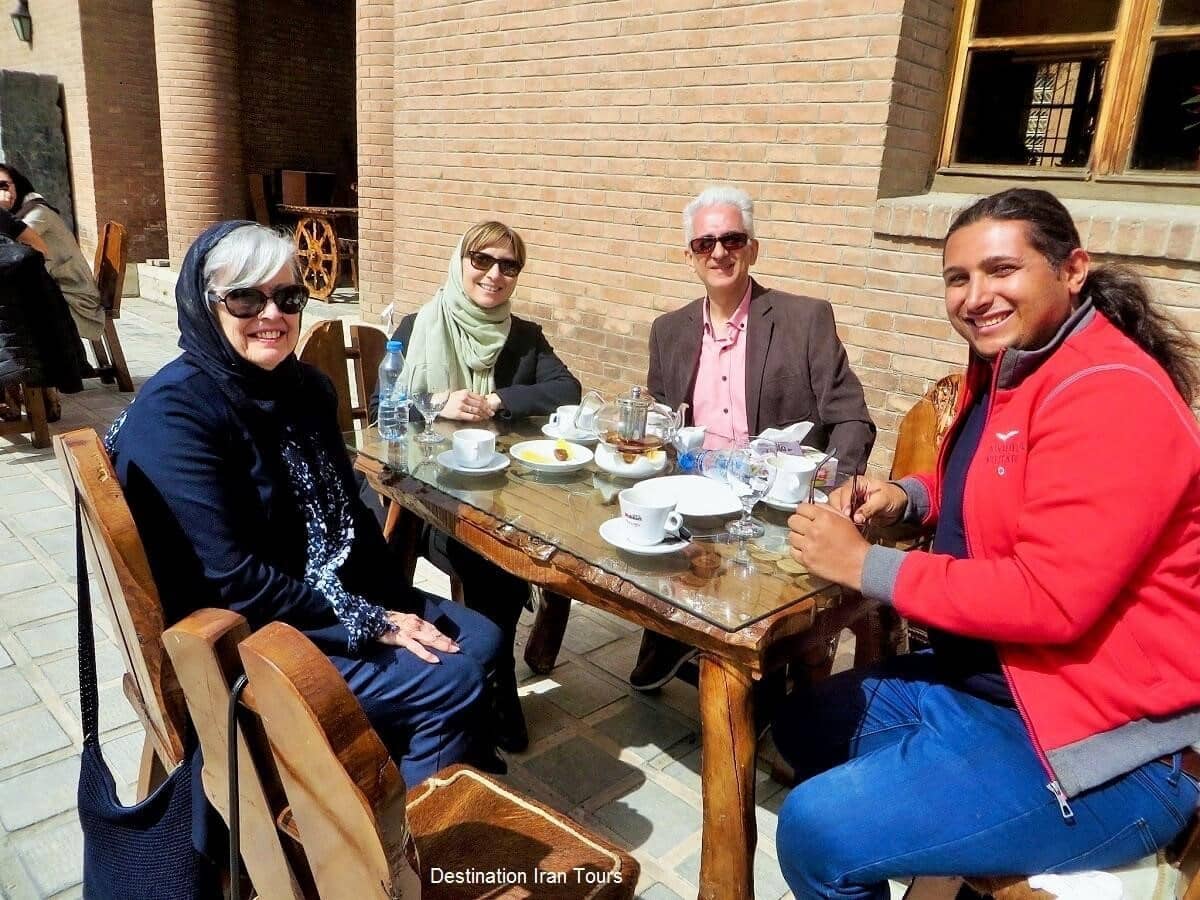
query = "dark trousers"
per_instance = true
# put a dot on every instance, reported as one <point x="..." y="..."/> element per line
<point x="429" y="715"/>
<point x="487" y="589"/>
<point x="908" y="775"/>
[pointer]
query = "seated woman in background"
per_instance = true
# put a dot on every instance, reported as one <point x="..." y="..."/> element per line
<point x="1045" y="730"/>
<point x="64" y="259"/>
<point x="234" y="468"/>
<point x="500" y="366"/>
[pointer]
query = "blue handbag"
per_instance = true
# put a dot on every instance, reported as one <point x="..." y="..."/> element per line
<point x="139" y="852"/>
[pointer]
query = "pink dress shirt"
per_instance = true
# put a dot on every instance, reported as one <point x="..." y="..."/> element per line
<point x="719" y="398"/>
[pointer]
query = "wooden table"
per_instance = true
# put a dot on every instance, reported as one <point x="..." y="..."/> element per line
<point x="320" y="249"/>
<point x="744" y="620"/>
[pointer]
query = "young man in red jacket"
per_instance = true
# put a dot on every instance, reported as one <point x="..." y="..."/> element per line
<point x="1047" y="729"/>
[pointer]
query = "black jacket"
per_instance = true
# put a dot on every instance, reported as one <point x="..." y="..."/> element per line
<point x="39" y="343"/>
<point x="530" y="378"/>
<point x="219" y="517"/>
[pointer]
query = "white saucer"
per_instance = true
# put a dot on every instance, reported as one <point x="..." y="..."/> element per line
<point x="578" y="437"/>
<point x="643" y="465"/>
<point x="819" y="496"/>
<point x="447" y="458"/>
<point x="613" y="531"/>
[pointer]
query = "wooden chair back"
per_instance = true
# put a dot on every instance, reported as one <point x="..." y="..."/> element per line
<point x="109" y="270"/>
<point x="347" y="797"/>
<point x="924" y="427"/>
<point x="127" y="590"/>
<point x="203" y="650"/>
<point x="324" y="346"/>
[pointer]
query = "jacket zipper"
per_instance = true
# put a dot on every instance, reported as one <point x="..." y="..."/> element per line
<point x="1053" y="786"/>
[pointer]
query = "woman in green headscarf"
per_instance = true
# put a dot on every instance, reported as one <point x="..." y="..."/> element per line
<point x="500" y="366"/>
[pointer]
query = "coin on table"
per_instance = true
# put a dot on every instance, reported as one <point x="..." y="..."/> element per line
<point x="792" y="567"/>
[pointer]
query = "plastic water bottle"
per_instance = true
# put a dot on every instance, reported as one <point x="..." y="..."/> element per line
<point x="709" y="463"/>
<point x="393" y="394"/>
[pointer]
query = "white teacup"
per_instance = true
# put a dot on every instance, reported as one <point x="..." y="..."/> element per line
<point x="794" y="473"/>
<point x="563" y="419"/>
<point x="647" y="518"/>
<point x="474" y="447"/>
<point x="690" y="438"/>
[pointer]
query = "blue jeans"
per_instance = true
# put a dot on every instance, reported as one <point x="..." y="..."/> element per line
<point x="906" y="775"/>
<point x="428" y="715"/>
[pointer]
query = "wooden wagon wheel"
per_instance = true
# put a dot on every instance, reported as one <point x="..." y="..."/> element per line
<point x="317" y="253"/>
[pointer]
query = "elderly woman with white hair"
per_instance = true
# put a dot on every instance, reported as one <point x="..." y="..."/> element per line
<point x="234" y="468"/>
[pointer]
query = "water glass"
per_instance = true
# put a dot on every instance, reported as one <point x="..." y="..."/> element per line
<point x="428" y="390"/>
<point x="750" y="473"/>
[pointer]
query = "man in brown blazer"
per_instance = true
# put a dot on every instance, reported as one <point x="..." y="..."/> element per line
<point x="746" y="358"/>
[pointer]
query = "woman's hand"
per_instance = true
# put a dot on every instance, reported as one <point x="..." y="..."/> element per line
<point x="828" y="544"/>
<point x="464" y="406"/>
<point x="879" y="502"/>
<point x="414" y="634"/>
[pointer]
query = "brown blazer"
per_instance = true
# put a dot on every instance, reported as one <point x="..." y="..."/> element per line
<point x="796" y="370"/>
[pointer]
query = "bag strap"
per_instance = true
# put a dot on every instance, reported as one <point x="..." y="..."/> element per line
<point x="89" y="699"/>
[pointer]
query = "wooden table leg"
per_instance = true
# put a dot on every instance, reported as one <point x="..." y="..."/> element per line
<point x="728" y="746"/>
<point x="546" y="636"/>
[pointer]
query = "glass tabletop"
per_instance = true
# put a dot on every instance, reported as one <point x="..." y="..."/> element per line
<point x="566" y="510"/>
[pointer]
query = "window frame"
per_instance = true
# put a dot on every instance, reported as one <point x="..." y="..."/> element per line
<point x="1131" y="40"/>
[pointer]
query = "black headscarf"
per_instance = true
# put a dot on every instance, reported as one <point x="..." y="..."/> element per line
<point x="255" y="392"/>
<point x="23" y="187"/>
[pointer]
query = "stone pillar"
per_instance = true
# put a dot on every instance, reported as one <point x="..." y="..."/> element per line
<point x="196" y="44"/>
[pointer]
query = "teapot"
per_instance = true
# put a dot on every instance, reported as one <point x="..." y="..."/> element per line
<point x="631" y="423"/>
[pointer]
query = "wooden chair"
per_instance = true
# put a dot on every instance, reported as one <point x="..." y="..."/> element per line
<point x="128" y="592"/>
<point x="110" y="278"/>
<point x="924" y="427"/>
<point x="348" y="802"/>
<point x="1174" y="872"/>
<point x="29" y="407"/>
<point x="154" y="686"/>
<point x="324" y="346"/>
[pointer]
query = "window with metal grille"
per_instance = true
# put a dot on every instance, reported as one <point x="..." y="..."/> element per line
<point x="1089" y="88"/>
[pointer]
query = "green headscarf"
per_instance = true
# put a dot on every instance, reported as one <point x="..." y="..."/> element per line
<point x="450" y="330"/>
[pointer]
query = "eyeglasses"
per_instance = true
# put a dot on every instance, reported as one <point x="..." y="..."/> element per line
<point x="732" y="240"/>
<point x="246" y="303"/>
<point x="483" y="262"/>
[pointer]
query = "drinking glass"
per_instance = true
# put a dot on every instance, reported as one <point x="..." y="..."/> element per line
<point x="428" y="389"/>
<point x="750" y="474"/>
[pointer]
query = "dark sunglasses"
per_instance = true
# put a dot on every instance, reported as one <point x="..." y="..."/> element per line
<point x="246" y="303"/>
<point x="483" y="262"/>
<point x="733" y="240"/>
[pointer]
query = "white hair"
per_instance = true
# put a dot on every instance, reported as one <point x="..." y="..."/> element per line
<point x="247" y="257"/>
<point x="719" y="195"/>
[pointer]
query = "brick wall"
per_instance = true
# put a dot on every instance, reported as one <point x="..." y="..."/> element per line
<point x="57" y="50"/>
<point x="588" y="126"/>
<point x="122" y="92"/>
<point x="375" y="75"/>
<point x="296" y="67"/>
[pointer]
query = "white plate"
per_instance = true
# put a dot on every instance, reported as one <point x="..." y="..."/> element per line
<point x="613" y="531"/>
<point x="539" y="456"/>
<point x="819" y="496"/>
<point x="694" y="495"/>
<point x="643" y="464"/>
<point x="579" y="437"/>
<point x="447" y="458"/>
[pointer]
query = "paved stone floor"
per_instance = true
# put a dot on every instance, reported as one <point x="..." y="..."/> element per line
<point x="622" y="763"/>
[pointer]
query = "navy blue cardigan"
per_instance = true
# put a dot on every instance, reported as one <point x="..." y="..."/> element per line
<point x="218" y="517"/>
